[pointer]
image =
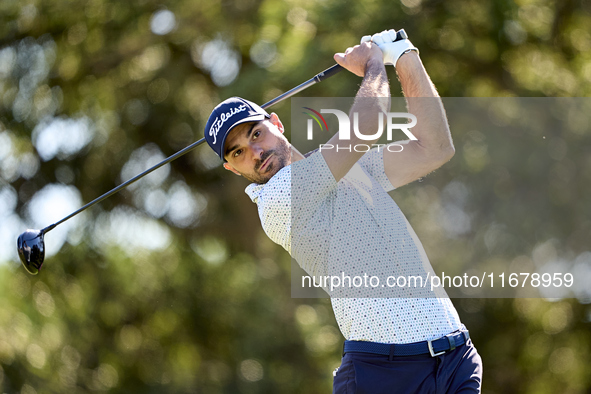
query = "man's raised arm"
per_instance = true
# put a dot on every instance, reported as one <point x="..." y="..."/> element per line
<point x="434" y="145"/>
<point x="372" y="99"/>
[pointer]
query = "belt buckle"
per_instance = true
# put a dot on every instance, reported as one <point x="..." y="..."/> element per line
<point x="431" y="351"/>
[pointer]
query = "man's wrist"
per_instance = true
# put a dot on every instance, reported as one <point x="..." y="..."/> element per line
<point x="408" y="61"/>
<point x="413" y="77"/>
<point x="373" y="66"/>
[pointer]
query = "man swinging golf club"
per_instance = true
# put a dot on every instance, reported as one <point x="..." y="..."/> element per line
<point x="331" y="211"/>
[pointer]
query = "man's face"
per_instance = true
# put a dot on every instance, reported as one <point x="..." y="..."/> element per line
<point x="257" y="151"/>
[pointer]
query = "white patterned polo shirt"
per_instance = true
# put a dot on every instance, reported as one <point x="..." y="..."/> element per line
<point x="351" y="228"/>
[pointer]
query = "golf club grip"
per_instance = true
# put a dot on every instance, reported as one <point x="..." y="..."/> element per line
<point x="329" y="72"/>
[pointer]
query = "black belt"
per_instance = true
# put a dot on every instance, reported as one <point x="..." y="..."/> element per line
<point x="434" y="347"/>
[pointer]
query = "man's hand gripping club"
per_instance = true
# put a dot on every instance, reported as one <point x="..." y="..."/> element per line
<point x="357" y="59"/>
<point x="391" y="48"/>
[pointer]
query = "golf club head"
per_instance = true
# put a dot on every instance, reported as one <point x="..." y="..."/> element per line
<point x="31" y="250"/>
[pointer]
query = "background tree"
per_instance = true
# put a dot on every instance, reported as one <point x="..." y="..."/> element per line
<point x="172" y="285"/>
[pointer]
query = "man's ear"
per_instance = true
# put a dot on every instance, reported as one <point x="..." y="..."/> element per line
<point x="275" y="120"/>
<point x="230" y="168"/>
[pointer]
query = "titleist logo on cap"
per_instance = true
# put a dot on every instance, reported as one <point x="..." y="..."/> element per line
<point x="219" y="121"/>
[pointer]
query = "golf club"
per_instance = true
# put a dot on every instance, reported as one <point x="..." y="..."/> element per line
<point x="31" y="243"/>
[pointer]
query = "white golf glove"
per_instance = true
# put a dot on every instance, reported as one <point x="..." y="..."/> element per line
<point x="391" y="49"/>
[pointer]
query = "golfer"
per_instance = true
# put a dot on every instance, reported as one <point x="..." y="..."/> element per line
<point x="332" y="213"/>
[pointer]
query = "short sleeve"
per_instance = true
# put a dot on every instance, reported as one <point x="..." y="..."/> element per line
<point x="373" y="163"/>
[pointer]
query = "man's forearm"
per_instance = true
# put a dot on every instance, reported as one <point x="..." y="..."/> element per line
<point x="372" y="99"/>
<point x="375" y="82"/>
<point x="432" y="129"/>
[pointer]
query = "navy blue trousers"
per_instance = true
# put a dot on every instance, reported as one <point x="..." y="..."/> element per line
<point x="458" y="371"/>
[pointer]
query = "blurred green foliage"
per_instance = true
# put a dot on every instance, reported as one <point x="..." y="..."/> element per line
<point x="172" y="286"/>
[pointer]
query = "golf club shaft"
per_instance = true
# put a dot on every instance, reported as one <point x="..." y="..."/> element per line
<point x="127" y="183"/>
<point x="321" y="76"/>
<point x="317" y="78"/>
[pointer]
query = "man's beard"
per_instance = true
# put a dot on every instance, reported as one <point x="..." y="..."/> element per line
<point x="282" y="153"/>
